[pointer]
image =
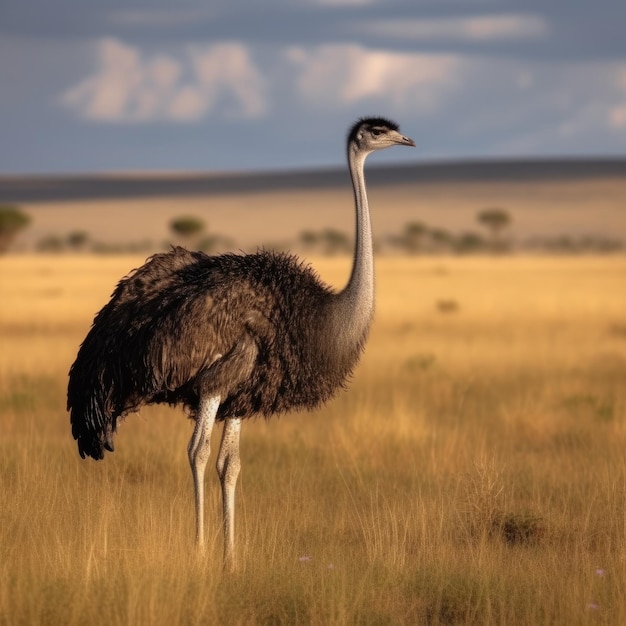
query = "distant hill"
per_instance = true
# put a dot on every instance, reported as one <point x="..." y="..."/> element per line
<point x="23" y="189"/>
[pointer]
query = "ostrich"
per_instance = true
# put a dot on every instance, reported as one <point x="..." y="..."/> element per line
<point x="230" y="337"/>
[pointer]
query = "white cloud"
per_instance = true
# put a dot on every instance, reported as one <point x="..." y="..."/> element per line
<point x="617" y="117"/>
<point x="597" y="101"/>
<point x="561" y="108"/>
<point x="505" y="105"/>
<point x="105" y="95"/>
<point x="129" y="86"/>
<point x="459" y="29"/>
<point x="188" y="104"/>
<point x="228" y="67"/>
<point x="617" y="113"/>
<point x="346" y="74"/>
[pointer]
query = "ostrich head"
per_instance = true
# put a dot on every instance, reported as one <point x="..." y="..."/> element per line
<point x="375" y="133"/>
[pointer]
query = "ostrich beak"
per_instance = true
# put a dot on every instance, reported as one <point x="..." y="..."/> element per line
<point x="400" y="140"/>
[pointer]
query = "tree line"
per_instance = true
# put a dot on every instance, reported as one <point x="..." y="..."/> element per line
<point x="415" y="238"/>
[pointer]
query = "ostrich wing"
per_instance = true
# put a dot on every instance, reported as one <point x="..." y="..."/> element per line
<point x="167" y="323"/>
<point x="183" y="314"/>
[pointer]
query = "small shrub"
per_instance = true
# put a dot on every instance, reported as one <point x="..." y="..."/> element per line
<point x="330" y="240"/>
<point x="485" y="515"/>
<point x="77" y="239"/>
<point x="421" y="362"/>
<point x="517" y="529"/>
<point x="309" y="238"/>
<point x="51" y="243"/>
<point x="468" y="242"/>
<point x="214" y="243"/>
<point x="618" y="330"/>
<point x="483" y="491"/>
<point x="581" y="406"/>
<point x="447" y="306"/>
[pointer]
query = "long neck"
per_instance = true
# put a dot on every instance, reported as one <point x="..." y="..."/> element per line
<point x="354" y="305"/>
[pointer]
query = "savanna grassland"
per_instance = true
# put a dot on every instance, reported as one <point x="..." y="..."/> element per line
<point x="475" y="471"/>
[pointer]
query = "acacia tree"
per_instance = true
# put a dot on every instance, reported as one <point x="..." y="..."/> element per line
<point x="12" y="221"/>
<point x="187" y="228"/>
<point x="495" y="220"/>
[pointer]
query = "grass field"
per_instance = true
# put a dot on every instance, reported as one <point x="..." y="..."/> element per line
<point x="474" y="473"/>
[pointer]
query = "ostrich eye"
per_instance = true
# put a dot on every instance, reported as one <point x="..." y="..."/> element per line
<point x="376" y="132"/>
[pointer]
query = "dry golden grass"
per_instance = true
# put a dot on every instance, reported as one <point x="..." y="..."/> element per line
<point x="474" y="473"/>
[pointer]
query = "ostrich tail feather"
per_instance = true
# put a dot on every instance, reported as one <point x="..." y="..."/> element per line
<point x="93" y="414"/>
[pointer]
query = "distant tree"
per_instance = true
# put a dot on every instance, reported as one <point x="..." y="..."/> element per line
<point x="413" y="236"/>
<point x="187" y="227"/>
<point x="495" y="220"/>
<point x="77" y="239"/>
<point x="468" y="242"/>
<point x="12" y="221"/>
<point x="334" y="241"/>
<point x="329" y="240"/>
<point x="441" y="238"/>
<point x="309" y="238"/>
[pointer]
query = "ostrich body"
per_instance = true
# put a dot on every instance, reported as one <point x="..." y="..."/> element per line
<point x="230" y="337"/>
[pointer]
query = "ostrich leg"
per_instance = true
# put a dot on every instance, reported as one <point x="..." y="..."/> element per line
<point x="228" y="466"/>
<point x="199" y="450"/>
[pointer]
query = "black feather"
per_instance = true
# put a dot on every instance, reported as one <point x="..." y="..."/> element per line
<point x="251" y="328"/>
<point x="370" y="122"/>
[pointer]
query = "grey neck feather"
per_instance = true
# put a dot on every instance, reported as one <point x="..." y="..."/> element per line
<point x="354" y="305"/>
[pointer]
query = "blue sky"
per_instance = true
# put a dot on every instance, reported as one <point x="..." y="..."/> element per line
<point x="90" y="86"/>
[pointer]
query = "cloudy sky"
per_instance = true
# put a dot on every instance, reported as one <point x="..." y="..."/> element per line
<point x="109" y="85"/>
